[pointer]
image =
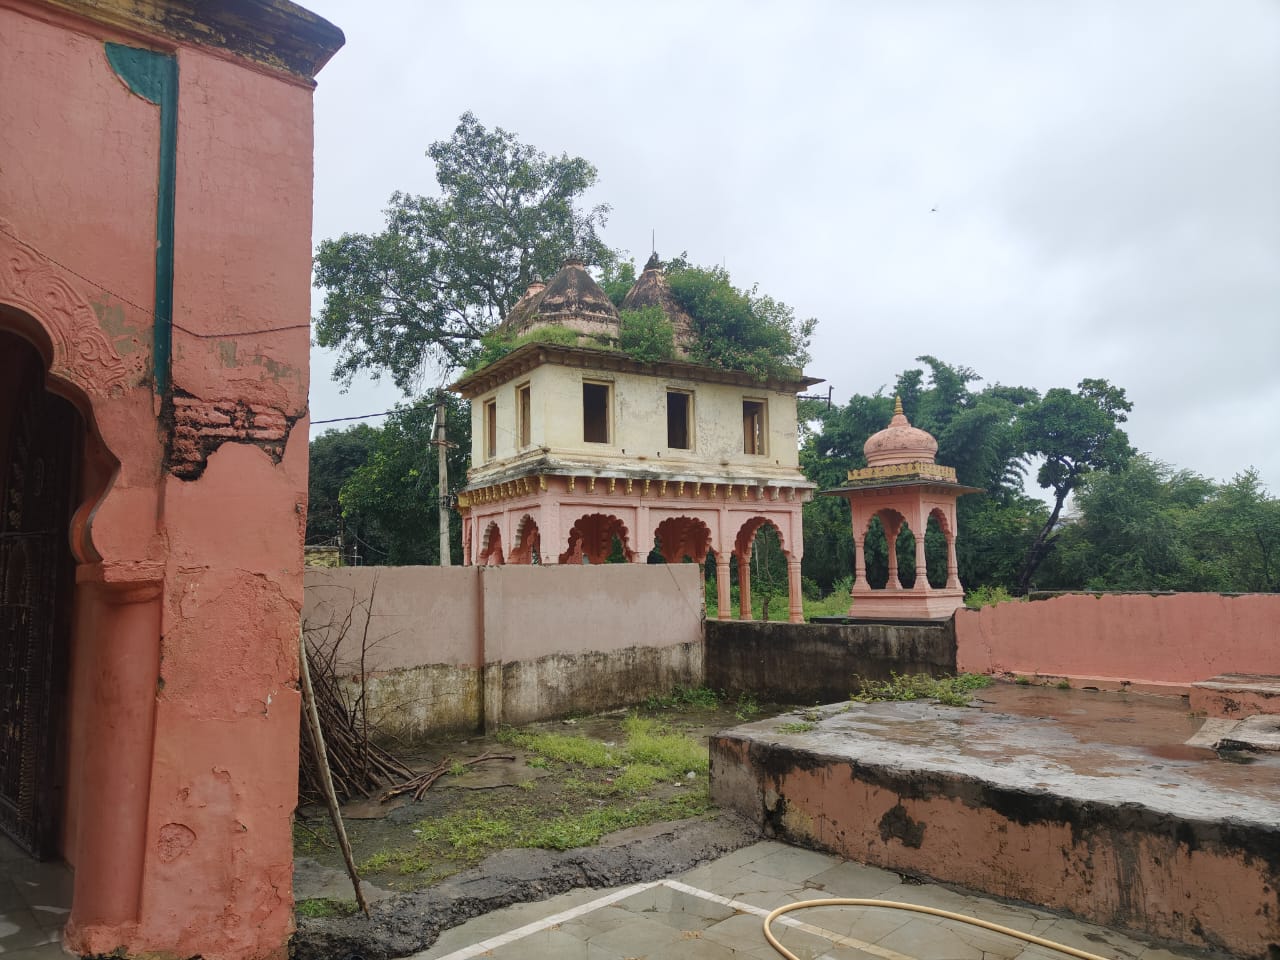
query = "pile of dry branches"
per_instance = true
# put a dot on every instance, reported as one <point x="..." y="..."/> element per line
<point x="359" y="767"/>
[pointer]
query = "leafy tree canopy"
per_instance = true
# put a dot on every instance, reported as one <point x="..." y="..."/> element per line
<point x="739" y="329"/>
<point x="447" y="268"/>
<point x="1076" y="434"/>
<point x="395" y="493"/>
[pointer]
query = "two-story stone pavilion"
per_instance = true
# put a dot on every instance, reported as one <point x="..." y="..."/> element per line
<point x="576" y="445"/>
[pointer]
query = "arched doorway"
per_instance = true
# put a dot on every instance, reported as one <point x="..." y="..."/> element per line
<point x="41" y="439"/>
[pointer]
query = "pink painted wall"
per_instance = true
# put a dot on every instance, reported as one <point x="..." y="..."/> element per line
<point x="463" y="647"/>
<point x="183" y="726"/>
<point x="420" y="615"/>
<point x="1142" y="639"/>
<point x="467" y="616"/>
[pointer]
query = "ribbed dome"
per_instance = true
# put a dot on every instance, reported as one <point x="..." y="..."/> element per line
<point x="572" y="294"/>
<point x="899" y="442"/>
<point x="652" y="290"/>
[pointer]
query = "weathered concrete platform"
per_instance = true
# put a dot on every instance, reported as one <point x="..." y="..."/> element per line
<point x="1236" y="695"/>
<point x="1083" y="801"/>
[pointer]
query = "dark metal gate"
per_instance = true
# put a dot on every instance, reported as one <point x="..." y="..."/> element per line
<point x="36" y="582"/>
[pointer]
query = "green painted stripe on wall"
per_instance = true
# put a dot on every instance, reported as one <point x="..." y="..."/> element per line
<point x="154" y="77"/>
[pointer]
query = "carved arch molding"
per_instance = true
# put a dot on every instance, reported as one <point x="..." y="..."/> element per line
<point x="82" y="354"/>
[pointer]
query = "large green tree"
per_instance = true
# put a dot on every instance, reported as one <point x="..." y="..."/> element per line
<point x="396" y="491"/>
<point x="1075" y="434"/>
<point x="447" y="268"/>
<point x="335" y="456"/>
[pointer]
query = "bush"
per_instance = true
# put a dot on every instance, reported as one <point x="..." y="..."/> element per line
<point x="987" y="597"/>
<point x="646" y="335"/>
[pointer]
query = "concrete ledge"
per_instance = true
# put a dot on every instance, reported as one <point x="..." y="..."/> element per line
<point x="1032" y="803"/>
<point x="817" y="663"/>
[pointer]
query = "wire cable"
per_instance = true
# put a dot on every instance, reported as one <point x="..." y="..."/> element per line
<point x="916" y="908"/>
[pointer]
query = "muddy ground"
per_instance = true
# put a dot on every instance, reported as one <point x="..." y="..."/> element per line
<point x="594" y="801"/>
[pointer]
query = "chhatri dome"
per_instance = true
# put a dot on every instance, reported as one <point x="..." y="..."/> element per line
<point x="899" y="442"/>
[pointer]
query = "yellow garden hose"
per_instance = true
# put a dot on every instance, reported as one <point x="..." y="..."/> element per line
<point x="915" y="908"/>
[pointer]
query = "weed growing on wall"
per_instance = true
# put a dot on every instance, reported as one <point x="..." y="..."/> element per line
<point x="952" y="691"/>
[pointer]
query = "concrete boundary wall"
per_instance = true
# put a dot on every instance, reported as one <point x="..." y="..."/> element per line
<point x="1168" y="641"/>
<point x="817" y="663"/>
<point x="476" y="647"/>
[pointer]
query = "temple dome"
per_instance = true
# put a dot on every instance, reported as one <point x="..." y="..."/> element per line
<point x="652" y="290"/>
<point x="900" y="442"/>
<point x="570" y="299"/>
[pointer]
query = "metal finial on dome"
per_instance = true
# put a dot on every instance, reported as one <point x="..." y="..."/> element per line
<point x="897" y="407"/>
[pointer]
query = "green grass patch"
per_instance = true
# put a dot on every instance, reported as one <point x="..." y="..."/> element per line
<point x="797" y="726"/>
<point x="565" y="748"/>
<point x="651" y="743"/>
<point x="325" y="907"/>
<point x="952" y="691"/>
<point x="685" y="698"/>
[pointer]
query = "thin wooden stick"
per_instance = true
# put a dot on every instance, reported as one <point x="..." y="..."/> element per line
<point x="317" y="742"/>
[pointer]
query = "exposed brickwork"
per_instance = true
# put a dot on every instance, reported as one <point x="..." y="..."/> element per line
<point x="201" y="426"/>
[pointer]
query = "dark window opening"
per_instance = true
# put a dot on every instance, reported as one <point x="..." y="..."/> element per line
<point x="678" y="421"/>
<point x="491" y="429"/>
<point x="525" y="408"/>
<point x="753" y="426"/>
<point x="595" y="412"/>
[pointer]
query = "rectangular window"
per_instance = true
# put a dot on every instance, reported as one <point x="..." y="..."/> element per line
<point x="679" y="407"/>
<point x="753" y="427"/>
<point x="490" y="429"/>
<point x="524" y="410"/>
<point x="595" y="412"/>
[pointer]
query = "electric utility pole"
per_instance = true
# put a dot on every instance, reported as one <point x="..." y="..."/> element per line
<point x="442" y="500"/>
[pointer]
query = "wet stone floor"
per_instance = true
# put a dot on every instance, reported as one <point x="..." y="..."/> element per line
<point x="716" y="910"/>
<point x="35" y="899"/>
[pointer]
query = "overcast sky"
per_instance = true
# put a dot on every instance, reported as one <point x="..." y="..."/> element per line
<point x="1040" y="191"/>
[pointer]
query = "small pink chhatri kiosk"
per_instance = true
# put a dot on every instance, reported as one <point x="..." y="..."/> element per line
<point x="903" y="486"/>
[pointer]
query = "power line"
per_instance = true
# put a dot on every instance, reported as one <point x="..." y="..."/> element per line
<point x="363" y="416"/>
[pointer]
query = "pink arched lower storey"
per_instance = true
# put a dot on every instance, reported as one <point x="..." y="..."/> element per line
<point x="578" y="517"/>
<point x="912" y="505"/>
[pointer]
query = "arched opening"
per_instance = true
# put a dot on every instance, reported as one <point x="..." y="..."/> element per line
<point x="683" y="538"/>
<point x="935" y="549"/>
<point x="528" y="545"/>
<point x="906" y="556"/>
<point x="491" y="546"/>
<point x="41" y="448"/>
<point x="762" y="569"/>
<point x="598" y="538"/>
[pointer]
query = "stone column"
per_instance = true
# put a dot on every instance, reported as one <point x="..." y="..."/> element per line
<point x="744" y="587"/>
<point x="891" y="542"/>
<point x="119" y="720"/>
<point x="922" y="569"/>
<point x="794" y="591"/>
<point x="859" y="565"/>
<point x="722" y="586"/>
<point x="953" y="567"/>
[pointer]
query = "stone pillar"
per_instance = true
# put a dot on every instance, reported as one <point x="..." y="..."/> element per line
<point x="859" y="565"/>
<point x="922" y="570"/>
<point x="891" y="542"/>
<point x="722" y="586"/>
<point x="953" y="567"/>
<point x="744" y="587"/>
<point x="794" y="591"/>
<point x="110" y="850"/>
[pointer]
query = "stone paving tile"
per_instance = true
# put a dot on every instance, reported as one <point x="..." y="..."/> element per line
<point x="20" y="930"/>
<point x="47" y="951"/>
<point x="849" y="879"/>
<point x="641" y="937"/>
<point x="663" y="923"/>
<point x="508" y="919"/>
<point x="743" y="933"/>
<point x="676" y="908"/>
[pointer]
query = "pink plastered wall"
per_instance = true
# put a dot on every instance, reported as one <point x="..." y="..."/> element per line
<point x="183" y="706"/>
<point x="1136" y="638"/>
